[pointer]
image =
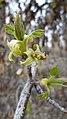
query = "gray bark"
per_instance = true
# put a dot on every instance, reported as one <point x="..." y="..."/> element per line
<point x="21" y="107"/>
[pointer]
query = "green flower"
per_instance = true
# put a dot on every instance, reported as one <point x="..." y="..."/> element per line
<point x="33" y="56"/>
<point x="17" y="48"/>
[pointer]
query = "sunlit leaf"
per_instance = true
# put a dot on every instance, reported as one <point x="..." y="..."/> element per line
<point x="52" y="83"/>
<point x="9" y="29"/>
<point x="37" y="33"/>
<point x="44" y="95"/>
<point x="36" y="47"/>
<point x="27" y="62"/>
<point x="29" y="52"/>
<point x="54" y="71"/>
<point x="19" y="28"/>
<point x="29" y="59"/>
<point x="10" y="57"/>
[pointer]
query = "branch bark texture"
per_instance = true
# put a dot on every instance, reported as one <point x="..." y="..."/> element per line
<point x="22" y="104"/>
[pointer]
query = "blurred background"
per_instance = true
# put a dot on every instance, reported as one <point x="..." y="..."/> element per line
<point x="50" y="15"/>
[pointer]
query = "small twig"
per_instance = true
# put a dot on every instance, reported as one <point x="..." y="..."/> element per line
<point x="21" y="107"/>
<point x="55" y="104"/>
<point x="51" y="101"/>
<point x="32" y="71"/>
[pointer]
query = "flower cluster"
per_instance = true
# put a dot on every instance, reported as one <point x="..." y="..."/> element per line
<point x="19" y="45"/>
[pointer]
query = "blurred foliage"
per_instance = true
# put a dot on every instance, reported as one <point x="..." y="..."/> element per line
<point x="1" y="1"/>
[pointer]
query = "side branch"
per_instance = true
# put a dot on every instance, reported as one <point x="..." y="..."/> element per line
<point x="21" y="107"/>
<point x="55" y="104"/>
<point x="51" y="101"/>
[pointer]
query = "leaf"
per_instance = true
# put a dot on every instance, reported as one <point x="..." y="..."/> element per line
<point x="27" y="62"/>
<point x="52" y="4"/>
<point x="29" y="59"/>
<point x="19" y="28"/>
<point x="10" y="57"/>
<point x="1" y="1"/>
<point x="51" y="83"/>
<point x="37" y="33"/>
<point x="44" y="95"/>
<point x="54" y="71"/>
<point x="36" y="47"/>
<point x="9" y="29"/>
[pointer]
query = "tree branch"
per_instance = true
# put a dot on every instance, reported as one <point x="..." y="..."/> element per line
<point x="21" y="107"/>
<point x="51" y="101"/>
<point x="55" y="104"/>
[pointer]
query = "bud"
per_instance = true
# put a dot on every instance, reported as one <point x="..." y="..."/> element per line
<point x="19" y="28"/>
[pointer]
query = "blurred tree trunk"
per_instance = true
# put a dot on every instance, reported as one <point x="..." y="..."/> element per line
<point x="2" y="14"/>
<point x="2" y="48"/>
<point x="65" y="32"/>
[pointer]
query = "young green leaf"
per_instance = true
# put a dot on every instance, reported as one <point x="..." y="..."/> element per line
<point x="37" y="33"/>
<point x="9" y="29"/>
<point x="52" y="83"/>
<point x="19" y="28"/>
<point x="44" y="95"/>
<point x="54" y="71"/>
<point x="10" y="57"/>
<point x="29" y="59"/>
<point x="27" y="62"/>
